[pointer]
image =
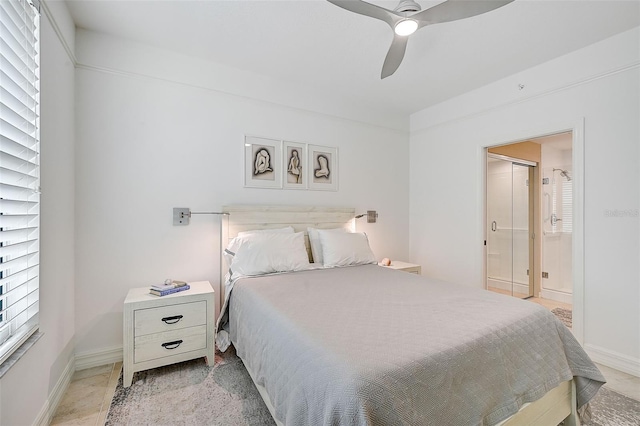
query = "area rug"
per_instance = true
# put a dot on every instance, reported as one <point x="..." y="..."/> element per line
<point x="609" y="408"/>
<point x="191" y="393"/>
<point x="564" y="315"/>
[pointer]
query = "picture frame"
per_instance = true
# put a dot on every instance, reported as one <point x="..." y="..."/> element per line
<point x="262" y="162"/>
<point x="322" y="168"/>
<point x="294" y="161"/>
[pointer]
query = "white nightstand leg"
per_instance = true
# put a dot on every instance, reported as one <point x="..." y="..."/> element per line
<point x="210" y="357"/>
<point x="127" y="376"/>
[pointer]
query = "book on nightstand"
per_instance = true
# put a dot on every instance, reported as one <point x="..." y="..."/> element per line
<point x="168" y="285"/>
<point x="169" y="290"/>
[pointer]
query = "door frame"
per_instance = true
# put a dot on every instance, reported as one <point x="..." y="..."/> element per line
<point x="577" y="164"/>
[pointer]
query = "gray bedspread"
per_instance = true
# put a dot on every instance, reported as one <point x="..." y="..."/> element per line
<point x="367" y="345"/>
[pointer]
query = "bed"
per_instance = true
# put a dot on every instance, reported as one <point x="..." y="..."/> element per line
<point x="366" y="345"/>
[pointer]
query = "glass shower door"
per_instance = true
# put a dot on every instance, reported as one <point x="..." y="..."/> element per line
<point x="520" y="220"/>
<point x="508" y="227"/>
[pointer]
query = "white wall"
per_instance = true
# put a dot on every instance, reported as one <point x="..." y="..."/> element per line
<point x="600" y="84"/>
<point x="28" y="385"/>
<point x="150" y="139"/>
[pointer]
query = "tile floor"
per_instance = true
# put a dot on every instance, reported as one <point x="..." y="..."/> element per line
<point x="88" y="398"/>
<point x="549" y="304"/>
<point x="620" y="382"/>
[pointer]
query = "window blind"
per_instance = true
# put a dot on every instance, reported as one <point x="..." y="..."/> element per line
<point x="567" y="206"/>
<point x="19" y="173"/>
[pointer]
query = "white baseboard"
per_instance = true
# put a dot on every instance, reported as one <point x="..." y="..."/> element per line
<point x="558" y="296"/>
<point x="51" y="404"/>
<point x="43" y="418"/>
<point x="508" y="285"/>
<point x="614" y="360"/>
<point x="97" y="358"/>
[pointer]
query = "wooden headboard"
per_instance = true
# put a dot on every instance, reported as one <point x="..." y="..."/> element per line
<point x="249" y="217"/>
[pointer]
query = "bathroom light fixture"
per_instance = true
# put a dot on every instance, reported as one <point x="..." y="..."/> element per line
<point x="406" y="27"/>
<point x="182" y="215"/>
<point x="371" y="215"/>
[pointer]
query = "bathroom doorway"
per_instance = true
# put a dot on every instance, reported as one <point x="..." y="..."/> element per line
<point x="530" y="255"/>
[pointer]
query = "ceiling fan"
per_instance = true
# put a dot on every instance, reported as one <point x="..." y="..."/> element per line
<point x="408" y="17"/>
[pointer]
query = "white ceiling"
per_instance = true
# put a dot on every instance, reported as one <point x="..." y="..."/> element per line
<point x="315" y="42"/>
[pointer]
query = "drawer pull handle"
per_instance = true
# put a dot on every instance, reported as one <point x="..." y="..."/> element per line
<point x="172" y="320"/>
<point x="172" y="345"/>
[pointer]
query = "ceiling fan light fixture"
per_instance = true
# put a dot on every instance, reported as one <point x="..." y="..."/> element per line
<point x="406" y="27"/>
<point x="408" y="17"/>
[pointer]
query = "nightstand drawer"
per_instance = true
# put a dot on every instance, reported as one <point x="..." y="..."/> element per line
<point x="172" y="317"/>
<point x="168" y="343"/>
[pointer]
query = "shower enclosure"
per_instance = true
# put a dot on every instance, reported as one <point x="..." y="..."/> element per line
<point x="557" y="230"/>
<point x="509" y="217"/>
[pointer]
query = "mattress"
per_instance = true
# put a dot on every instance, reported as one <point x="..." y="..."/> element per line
<point x="367" y="345"/>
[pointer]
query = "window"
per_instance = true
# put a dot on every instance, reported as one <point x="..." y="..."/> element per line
<point x="19" y="172"/>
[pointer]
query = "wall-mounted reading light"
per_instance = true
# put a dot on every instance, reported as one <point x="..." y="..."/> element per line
<point x="371" y="215"/>
<point x="182" y="215"/>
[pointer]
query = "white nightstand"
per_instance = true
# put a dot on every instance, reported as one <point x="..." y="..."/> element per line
<point x="404" y="266"/>
<point x="168" y="329"/>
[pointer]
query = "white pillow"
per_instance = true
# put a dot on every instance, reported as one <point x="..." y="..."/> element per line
<point x="314" y="242"/>
<point x="269" y="252"/>
<point x="345" y="249"/>
<point x="231" y="249"/>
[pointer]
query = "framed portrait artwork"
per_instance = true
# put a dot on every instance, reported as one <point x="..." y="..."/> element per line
<point x="262" y="162"/>
<point x="295" y="165"/>
<point x="323" y="168"/>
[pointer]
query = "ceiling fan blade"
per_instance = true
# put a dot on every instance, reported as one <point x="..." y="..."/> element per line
<point x="368" y="9"/>
<point x="394" y="56"/>
<point x="453" y="10"/>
